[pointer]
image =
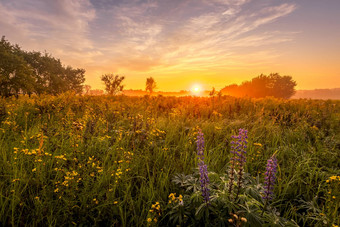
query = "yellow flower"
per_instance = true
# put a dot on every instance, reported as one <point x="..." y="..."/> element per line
<point x="155" y="219"/>
<point x="35" y="169"/>
<point x="258" y="144"/>
<point x="149" y="220"/>
<point x="115" y="202"/>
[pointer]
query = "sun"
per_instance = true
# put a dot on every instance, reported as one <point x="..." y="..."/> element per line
<point x="196" y="89"/>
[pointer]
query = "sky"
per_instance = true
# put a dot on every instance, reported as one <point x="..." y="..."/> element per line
<point x="179" y="43"/>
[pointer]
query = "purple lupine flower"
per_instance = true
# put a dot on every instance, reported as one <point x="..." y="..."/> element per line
<point x="239" y="146"/>
<point x="238" y="160"/>
<point x="270" y="178"/>
<point x="203" y="169"/>
<point x="200" y="145"/>
<point x="204" y="179"/>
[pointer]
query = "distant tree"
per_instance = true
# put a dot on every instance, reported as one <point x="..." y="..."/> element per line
<point x="283" y="86"/>
<point x="150" y="85"/>
<point x="262" y="86"/>
<point x="74" y="79"/>
<point x="232" y="90"/>
<point x="87" y="89"/>
<point x="113" y="83"/>
<point x="212" y="93"/>
<point x="219" y="94"/>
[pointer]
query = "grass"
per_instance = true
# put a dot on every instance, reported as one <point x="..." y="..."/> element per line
<point x="72" y="160"/>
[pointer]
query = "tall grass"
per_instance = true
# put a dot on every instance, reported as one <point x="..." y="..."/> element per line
<point x="71" y="160"/>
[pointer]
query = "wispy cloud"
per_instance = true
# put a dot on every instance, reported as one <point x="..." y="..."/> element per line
<point x="140" y="36"/>
<point x="60" y="26"/>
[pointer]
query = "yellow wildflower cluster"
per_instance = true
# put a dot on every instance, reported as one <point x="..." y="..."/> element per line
<point x="236" y="220"/>
<point x="69" y="178"/>
<point x="216" y="114"/>
<point x="157" y="133"/>
<point x="36" y="152"/>
<point x="154" y="213"/>
<point x="333" y="178"/>
<point x="62" y="157"/>
<point x="122" y="165"/>
<point x="193" y="134"/>
<point x="258" y="144"/>
<point x="77" y="126"/>
<point x="174" y="199"/>
<point x="95" y="165"/>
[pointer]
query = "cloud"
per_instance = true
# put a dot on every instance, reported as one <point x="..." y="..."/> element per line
<point x="59" y="26"/>
<point x="140" y="36"/>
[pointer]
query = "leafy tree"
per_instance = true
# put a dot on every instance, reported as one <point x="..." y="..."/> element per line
<point x="150" y="85"/>
<point x="23" y="72"/>
<point x="262" y="86"/>
<point x="74" y="79"/>
<point x="283" y="86"/>
<point x="15" y="74"/>
<point x="113" y="83"/>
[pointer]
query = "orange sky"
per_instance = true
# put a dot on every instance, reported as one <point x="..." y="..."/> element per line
<point x="180" y="43"/>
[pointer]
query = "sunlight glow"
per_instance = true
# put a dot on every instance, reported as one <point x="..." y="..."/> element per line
<point x="196" y="89"/>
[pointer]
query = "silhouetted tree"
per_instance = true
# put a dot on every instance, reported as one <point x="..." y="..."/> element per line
<point x="262" y="86"/>
<point x="113" y="83"/>
<point x="150" y="85"/>
<point x="23" y="72"/>
<point x="87" y="89"/>
<point x="284" y="86"/>
<point x="212" y="93"/>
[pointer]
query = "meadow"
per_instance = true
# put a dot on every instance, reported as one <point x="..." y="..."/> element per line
<point x="72" y="160"/>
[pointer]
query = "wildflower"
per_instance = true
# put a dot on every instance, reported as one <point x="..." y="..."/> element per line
<point x="258" y="144"/>
<point x="115" y="202"/>
<point x="238" y="160"/>
<point x="270" y="177"/>
<point x="35" y="169"/>
<point x="149" y="220"/>
<point x="243" y="219"/>
<point x="200" y="145"/>
<point x="203" y="169"/>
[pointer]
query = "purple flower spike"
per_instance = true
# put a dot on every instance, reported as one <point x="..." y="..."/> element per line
<point x="270" y="178"/>
<point x="238" y="160"/>
<point x="204" y="179"/>
<point x="200" y="145"/>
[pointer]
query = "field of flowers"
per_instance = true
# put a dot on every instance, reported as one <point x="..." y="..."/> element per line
<point x="166" y="161"/>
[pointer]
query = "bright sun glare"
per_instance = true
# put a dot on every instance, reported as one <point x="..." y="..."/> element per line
<point x="196" y="89"/>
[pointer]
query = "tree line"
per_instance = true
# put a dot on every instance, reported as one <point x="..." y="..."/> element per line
<point x="33" y="72"/>
<point x="114" y="84"/>
<point x="272" y="85"/>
